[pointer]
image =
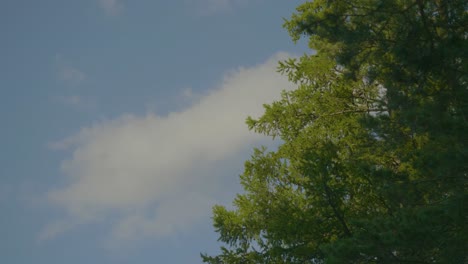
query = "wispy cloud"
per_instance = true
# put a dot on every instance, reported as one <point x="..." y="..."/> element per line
<point x="207" y="7"/>
<point x="66" y="72"/>
<point x="161" y="174"/>
<point x="111" y="7"/>
<point x="70" y="76"/>
<point x="74" y="100"/>
<point x="77" y="102"/>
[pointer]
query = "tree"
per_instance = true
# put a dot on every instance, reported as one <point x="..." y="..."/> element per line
<point x="373" y="162"/>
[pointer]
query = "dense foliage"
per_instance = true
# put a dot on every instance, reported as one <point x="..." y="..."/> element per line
<point x="373" y="165"/>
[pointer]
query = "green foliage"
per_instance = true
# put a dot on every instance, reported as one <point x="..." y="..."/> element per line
<point x="373" y="165"/>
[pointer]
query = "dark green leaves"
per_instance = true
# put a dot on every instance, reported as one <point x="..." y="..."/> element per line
<point x="373" y="162"/>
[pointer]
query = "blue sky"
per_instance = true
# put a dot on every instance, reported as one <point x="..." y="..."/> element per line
<point x="122" y="122"/>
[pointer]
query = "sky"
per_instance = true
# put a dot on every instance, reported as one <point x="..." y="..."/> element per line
<point x="123" y="123"/>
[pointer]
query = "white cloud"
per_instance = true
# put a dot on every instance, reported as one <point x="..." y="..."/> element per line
<point x="111" y="7"/>
<point x="161" y="174"/>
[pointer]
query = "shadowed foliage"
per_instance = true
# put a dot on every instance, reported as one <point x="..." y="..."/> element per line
<point x="373" y="161"/>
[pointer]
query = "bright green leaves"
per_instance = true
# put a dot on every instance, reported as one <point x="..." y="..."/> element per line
<point x="372" y="166"/>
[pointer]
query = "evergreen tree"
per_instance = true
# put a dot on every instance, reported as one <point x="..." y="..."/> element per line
<point x="373" y="165"/>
